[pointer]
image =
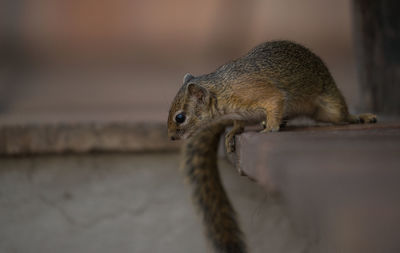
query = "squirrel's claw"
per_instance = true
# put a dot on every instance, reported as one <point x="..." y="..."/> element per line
<point x="230" y="143"/>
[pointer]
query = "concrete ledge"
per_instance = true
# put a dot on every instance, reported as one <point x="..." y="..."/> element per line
<point x="255" y="151"/>
<point x="340" y="184"/>
<point x="19" y="139"/>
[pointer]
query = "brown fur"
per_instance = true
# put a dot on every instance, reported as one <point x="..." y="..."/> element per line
<point x="274" y="82"/>
<point x="200" y="166"/>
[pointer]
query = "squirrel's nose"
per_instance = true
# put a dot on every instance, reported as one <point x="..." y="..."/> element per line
<point x="173" y="138"/>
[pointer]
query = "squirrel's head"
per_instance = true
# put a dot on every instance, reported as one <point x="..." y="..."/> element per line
<point x="190" y="108"/>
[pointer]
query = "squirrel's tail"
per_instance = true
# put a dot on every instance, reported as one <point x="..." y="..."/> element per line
<point x="200" y="166"/>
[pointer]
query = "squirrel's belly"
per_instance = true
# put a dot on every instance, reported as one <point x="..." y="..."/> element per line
<point x="249" y="116"/>
<point x="304" y="107"/>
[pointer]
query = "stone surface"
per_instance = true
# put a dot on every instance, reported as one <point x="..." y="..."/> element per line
<point x="84" y="137"/>
<point x="339" y="183"/>
<point x="124" y="203"/>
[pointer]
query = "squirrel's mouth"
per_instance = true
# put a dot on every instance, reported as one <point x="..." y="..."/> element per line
<point x="177" y="137"/>
<point x="180" y="134"/>
<point x="187" y="135"/>
<point x="173" y="137"/>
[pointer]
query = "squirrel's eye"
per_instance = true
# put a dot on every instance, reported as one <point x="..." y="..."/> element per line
<point x="180" y="118"/>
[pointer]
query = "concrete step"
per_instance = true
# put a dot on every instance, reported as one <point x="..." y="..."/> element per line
<point x="340" y="184"/>
<point x="62" y="137"/>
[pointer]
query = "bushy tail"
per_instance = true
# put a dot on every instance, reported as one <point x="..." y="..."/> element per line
<point x="200" y="167"/>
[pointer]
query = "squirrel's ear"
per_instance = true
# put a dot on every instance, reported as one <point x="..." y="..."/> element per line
<point x="187" y="77"/>
<point x="198" y="92"/>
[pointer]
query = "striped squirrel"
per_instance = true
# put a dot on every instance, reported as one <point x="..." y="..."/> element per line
<point x="276" y="81"/>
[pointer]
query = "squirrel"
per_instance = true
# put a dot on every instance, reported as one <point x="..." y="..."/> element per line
<point x="274" y="82"/>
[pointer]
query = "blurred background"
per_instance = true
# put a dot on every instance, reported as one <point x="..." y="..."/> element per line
<point x="125" y="60"/>
<point x="85" y="75"/>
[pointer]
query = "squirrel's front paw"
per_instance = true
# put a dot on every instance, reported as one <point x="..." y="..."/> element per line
<point x="269" y="129"/>
<point x="282" y="125"/>
<point x="230" y="143"/>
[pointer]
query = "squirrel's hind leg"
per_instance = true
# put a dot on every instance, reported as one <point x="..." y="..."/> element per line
<point x="362" y="118"/>
<point x="333" y="109"/>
